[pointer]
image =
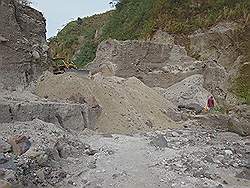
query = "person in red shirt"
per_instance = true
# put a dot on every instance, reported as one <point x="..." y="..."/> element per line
<point x="210" y="103"/>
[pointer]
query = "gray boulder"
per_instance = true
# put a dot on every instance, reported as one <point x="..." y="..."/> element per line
<point x="188" y="93"/>
<point x="239" y="120"/>
<point x="213" y="120"/>
<point x="192" y="107"/>
<point x="159" y="141"/>
<point x="239" y="125"/>
<point x="216" y="79"/>
<point x="68" y="116"/>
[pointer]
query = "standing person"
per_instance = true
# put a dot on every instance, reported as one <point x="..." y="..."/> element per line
<point x="210" y="103"/>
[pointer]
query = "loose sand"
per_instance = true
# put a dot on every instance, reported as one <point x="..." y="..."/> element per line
<point x="128" y="105"/>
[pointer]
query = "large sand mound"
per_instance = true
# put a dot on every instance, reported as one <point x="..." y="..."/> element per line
<point x="128" y="105"/>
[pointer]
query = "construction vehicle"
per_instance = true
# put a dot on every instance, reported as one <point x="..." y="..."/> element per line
<point x="61" y="66"/>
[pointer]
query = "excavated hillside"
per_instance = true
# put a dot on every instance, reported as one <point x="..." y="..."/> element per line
<point x="189" y="22"/>
<point x="135" y="118"/>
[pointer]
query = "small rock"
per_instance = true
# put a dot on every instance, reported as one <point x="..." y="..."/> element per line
<point x="185" y="126"/>
<point x="4" y="146"/>
<point x="2" y="173"/>
<point x="159" y="141"/>
<point x="71" y="183"/>
<point x="45" y="47"/>
<point x="2" y="39"/>
<point x="40" y="174"/>
<point x="218" y="159"/>
<point x="199" y="174"/>
<point x="42" y="160"/>
<point x="149" y="124"/>
<point x="235" y="165"/>
<point x="84" y="181"/>
<point x="225" y="182"/>
<point x="110" y="152"/>
<point x="3" y="159"/>
<point x="208" y="159"/>
<point x="20" y="144"/>
<point x="228" y="152"/>
<point x="175" y="134"/>
<point x="35" y="55"/>
<point x="219" y="186"/>
<point x="178" y="164"/>
<point x="91" y="151"/>
<point x="114" y="176"/>
<point x="209" y="176"/>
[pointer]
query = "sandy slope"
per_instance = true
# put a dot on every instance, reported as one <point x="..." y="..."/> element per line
<point x="128" y="105"/>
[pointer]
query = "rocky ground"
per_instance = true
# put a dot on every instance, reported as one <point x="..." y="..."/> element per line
<point x="190" y="157"/>
<point x="145" y="128"/>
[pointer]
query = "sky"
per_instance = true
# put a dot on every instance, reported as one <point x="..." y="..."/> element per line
<point x="60" y="12"/>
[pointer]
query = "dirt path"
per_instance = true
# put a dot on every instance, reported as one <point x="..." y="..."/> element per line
<point x="182" y="158"/>
<point x="188" y="158"/>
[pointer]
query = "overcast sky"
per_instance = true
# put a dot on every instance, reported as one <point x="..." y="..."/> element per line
<point x="60" y="12"/>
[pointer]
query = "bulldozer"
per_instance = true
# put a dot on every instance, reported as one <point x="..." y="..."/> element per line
<point x="61" y="66"/>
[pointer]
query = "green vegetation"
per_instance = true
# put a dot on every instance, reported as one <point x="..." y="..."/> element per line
<point x="241" y="85"/>
<point x="219" y="109"/>
<point x="79" y="39"/>
<point x="184" y="16"/>
<point x="86" y="55"/>
<point x="131" y="20"/>
<point x="139" y="20"/>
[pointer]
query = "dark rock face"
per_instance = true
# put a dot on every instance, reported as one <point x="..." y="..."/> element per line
<point x="23" y="49"/>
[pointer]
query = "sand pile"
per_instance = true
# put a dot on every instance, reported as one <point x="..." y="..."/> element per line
<point x="128" y="106"/>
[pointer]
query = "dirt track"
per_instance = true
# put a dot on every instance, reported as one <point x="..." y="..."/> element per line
<point x="177" y="158"/>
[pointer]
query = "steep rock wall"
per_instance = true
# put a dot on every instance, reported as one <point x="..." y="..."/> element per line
<point x="23" y="49"/>
<point x="155" y="64"/>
